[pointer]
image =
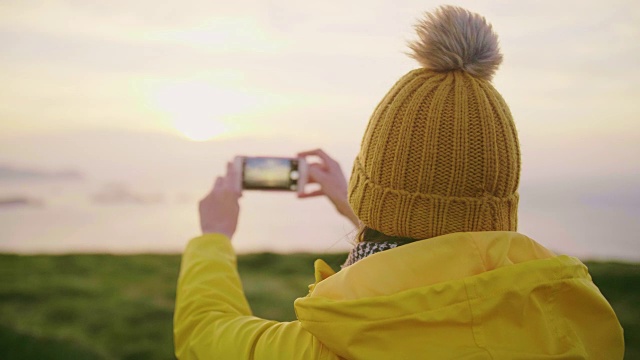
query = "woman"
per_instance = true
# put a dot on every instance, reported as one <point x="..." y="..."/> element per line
<point x="439" y="271"/>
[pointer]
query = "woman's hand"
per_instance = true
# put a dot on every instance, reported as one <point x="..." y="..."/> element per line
<point x="219" y="210"/>
<point x="329" y="176"/>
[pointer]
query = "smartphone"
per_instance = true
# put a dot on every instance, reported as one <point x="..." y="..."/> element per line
<point x="271" y="173"/>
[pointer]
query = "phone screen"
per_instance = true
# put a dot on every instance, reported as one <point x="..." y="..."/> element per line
<point x="268" y="173"/>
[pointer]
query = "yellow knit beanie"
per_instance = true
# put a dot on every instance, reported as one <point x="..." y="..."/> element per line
<point x="440" y="154"/>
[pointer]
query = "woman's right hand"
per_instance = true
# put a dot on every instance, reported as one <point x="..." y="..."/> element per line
<point x="328" y="174"/>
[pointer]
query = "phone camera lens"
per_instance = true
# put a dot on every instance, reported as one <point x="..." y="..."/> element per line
<point x="294" y="175"/>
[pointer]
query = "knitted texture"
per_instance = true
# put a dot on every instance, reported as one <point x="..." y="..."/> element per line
<point x="440" y="155"/>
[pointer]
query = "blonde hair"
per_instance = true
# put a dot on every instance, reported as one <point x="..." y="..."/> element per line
<point x="366" y="233"/>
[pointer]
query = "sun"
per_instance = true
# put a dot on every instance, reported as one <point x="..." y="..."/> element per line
<point x="200" y="129"/>
<point x="202" y="111"/>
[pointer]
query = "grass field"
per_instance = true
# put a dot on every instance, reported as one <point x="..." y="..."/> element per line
<point x="121" y="307"/>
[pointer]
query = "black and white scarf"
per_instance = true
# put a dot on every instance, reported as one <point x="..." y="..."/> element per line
<point x="366" y="248"/>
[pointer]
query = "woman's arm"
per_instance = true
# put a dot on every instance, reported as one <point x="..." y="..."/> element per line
<point x="212" y="317"/>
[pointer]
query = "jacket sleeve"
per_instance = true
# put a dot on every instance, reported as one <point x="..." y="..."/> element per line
<point x="213" y="319"/>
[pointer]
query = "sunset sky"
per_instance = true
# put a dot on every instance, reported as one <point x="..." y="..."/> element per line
<point x="283" y="76"/>
<point x="203" y="69"/>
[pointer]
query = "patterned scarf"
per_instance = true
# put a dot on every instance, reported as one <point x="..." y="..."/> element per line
<point x="366" y="248"/>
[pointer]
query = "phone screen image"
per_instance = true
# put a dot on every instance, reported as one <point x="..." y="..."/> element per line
<point x="260" y="173"/>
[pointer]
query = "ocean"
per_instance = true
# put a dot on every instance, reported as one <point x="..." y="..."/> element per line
<point x="89" y="216"/>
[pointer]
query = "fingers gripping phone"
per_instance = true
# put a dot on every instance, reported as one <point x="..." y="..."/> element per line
<point x="271" y="173"/>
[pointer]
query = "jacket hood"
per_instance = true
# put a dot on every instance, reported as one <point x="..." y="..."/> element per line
<point x="482" y="295"/>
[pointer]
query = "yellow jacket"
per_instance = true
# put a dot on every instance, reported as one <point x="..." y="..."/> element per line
<point x="483" y="295"/>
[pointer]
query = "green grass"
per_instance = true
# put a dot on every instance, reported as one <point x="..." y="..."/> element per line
<point x="620" y="284"/>
<point x="121" y="307"/>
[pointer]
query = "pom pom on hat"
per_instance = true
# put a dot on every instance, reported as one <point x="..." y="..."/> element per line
<point x="452" y="38"/>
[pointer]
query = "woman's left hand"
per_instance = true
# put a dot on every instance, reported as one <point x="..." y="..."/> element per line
<point x="219" y="210"/>
<point x="328" y="174"/>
